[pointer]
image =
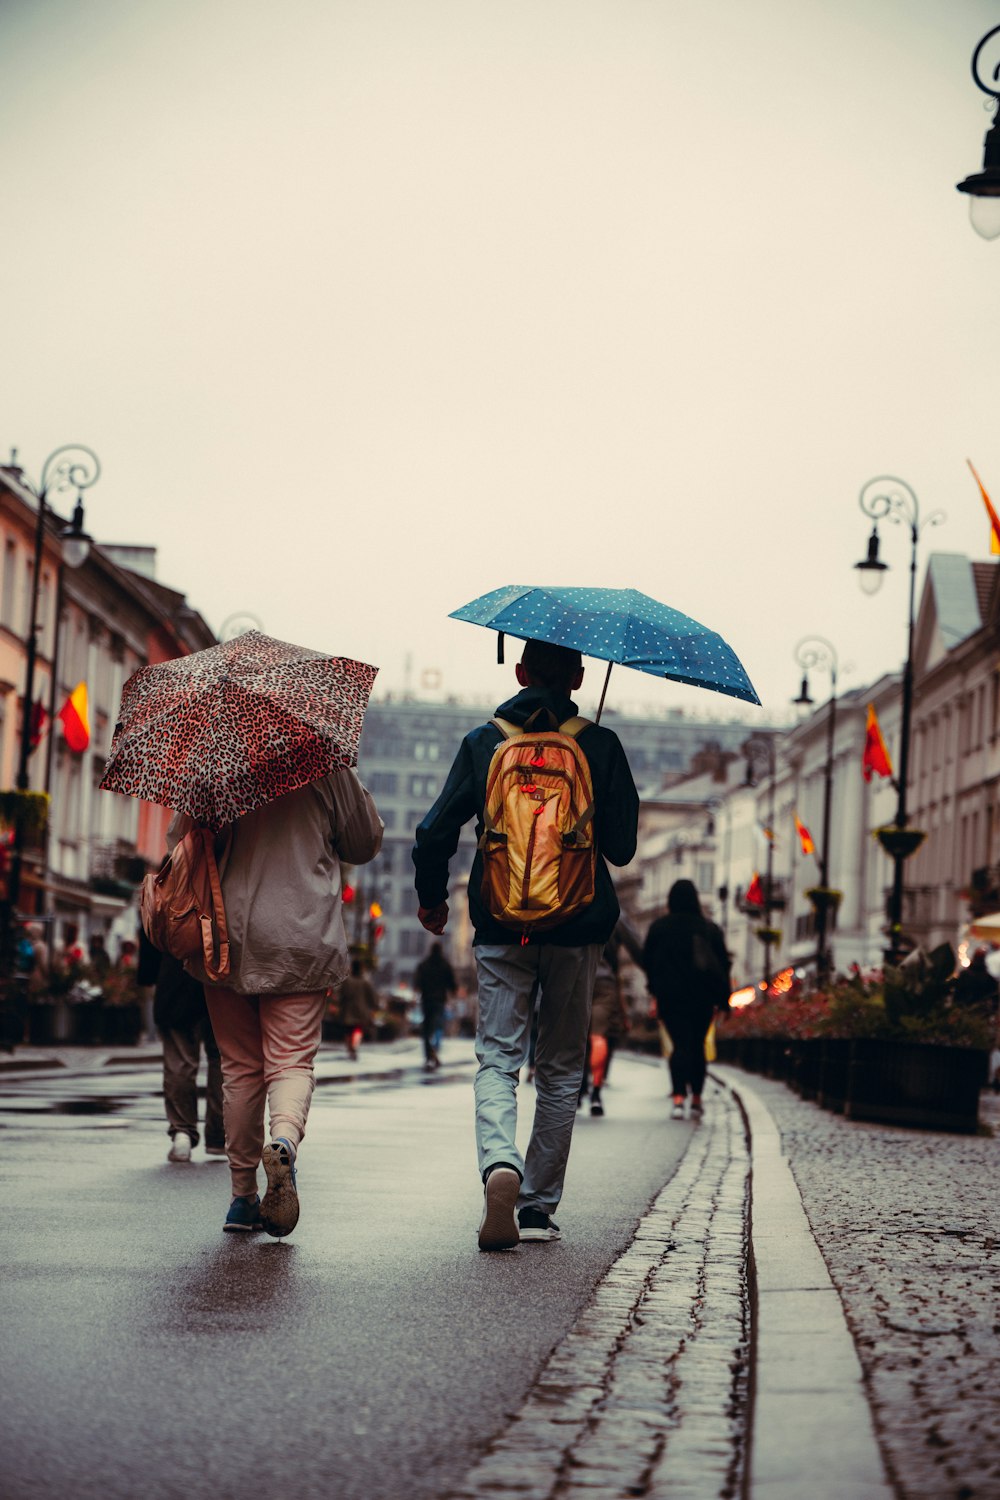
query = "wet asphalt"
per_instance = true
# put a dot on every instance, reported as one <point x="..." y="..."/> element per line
<point x="374" y="1354"/>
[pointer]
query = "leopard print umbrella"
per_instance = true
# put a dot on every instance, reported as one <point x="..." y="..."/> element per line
<point x="222" y="731"/>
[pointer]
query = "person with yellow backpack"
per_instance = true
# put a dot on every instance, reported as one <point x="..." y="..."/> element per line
<point x="553" y="798"/>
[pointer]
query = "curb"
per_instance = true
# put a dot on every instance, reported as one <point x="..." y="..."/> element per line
<point x="812" y="1430"/>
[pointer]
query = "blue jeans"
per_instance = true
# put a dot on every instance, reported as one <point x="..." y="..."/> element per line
<point x="507" y="976"/>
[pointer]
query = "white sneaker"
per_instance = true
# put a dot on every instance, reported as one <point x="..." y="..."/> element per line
<point x="677" y="1113"/>
<point x="180" y="1147"/>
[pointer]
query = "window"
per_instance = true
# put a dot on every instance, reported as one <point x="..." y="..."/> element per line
<point x="386" y="782"/>
<point x="9" y="598"/>
<point x="29" y="578"/>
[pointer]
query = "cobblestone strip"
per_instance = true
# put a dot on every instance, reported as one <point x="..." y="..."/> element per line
<point x="647" y="1393"/>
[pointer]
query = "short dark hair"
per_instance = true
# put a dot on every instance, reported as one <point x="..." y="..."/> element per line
<point x="553" y="667"/>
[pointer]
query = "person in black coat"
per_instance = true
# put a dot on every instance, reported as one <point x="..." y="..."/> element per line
<point x="180" y="1015"/>
<point x="687" y="969"/>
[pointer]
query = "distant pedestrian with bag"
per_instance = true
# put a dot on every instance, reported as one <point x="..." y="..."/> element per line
<point x="687" y="969"/>
<point x="357" y="1003"/>
<point x="553" y="798"/>
<point x="434" y="979"/>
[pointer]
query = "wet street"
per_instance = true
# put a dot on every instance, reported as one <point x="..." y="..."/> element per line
<point x="376" y="1353"/>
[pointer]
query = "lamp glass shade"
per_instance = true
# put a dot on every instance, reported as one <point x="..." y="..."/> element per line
<point x="984" y="216"/>
<point x="75" y="547"/>
<point x="870" y="576"/>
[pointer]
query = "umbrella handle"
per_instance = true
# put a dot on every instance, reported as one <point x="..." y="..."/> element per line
<point x="604" y="689"/>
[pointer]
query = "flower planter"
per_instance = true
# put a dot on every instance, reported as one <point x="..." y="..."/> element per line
<point x="804" y="1057"/>
<point x="41" y="1025"/>
<point x="121" y="1025"/>
<point x="909" y="1083"/>
<point x="833" y="1073"/>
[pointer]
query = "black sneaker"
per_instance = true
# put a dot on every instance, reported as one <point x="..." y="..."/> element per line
<point x="596" y="1107"/>
<point x="534" y="1225"/>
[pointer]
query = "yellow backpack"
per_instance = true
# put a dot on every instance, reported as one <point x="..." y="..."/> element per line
<point x="539" y="858"/>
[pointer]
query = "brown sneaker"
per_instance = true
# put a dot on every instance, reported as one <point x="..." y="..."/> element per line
<point x="498" y="1227"/>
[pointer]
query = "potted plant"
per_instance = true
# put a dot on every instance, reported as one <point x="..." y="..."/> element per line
<point x="893" y="1047"/>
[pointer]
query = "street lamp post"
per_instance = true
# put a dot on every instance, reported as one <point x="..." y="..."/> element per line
<point x="69" y="467"/>
<point x="889" y="496"/>
<point x="983" y="187"/>
<point x="759" y="751"/>
<point x="816" y="652"/>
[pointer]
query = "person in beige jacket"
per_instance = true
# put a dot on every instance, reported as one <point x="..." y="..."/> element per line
<point x="282" y="891"/>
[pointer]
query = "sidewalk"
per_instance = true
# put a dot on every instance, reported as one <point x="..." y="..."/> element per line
<point x="908" y="1226"/>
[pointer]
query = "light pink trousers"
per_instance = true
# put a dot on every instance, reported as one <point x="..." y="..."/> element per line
<point x="268" y="1045"/>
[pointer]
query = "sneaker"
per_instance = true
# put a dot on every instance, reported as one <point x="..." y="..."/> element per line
<point x="180" y="1147"/>
<point x="243" y="1216"/>
<point x="279" y="1211"/>
<point x="497" y="1227"/>
<point x="535" y="1225"/>
<point x="596" y="1107"/>
<point x="677" y="1113"/>
<point x="215" y="1150"/>
<point x="697" y="1108"/>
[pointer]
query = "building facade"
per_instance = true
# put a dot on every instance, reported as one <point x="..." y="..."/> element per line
<point x="96" y="625"/>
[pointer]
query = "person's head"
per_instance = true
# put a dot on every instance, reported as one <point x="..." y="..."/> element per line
<point x="356" y="968"/>
<point x="683" y="898"/>
<point x="558" y="668"/>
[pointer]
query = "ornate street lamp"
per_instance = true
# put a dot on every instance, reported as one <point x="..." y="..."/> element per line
<point x="983" y="187"/>
<point x="760" y="753"/>
<point x="70" y="467"/>
<point x="816" y="652"/>
<point x="880" y="497"/>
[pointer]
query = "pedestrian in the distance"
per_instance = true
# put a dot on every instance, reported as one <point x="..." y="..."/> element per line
<point x="357" y="1003"/>
<point x="434" y="980"/>
<point x="687" y="970"/>
<point x="975" y="985"/>
<point x="609" y="1019"/>
<point x="522" y="1193"/>
<point x="180" y="1016"/>
<point x="281" y="886"/>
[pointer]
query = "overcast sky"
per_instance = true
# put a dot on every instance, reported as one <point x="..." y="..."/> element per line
<point x="370" y="306"/>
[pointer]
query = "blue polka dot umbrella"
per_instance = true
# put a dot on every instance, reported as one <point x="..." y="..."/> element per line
<point x="615" y="625"/>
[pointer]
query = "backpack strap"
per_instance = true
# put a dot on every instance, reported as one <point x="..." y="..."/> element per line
<point x="216" y="972"/>
<point x="506" y="728"/>
<point x="574" y="727"/>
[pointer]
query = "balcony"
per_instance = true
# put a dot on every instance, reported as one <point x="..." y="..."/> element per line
<point x="115" y="867"/>
<point x="984" y="891"/>
<point x="778" y="901"/>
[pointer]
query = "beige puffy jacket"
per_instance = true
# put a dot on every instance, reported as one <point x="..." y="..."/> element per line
<point x="281" y="885"/>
